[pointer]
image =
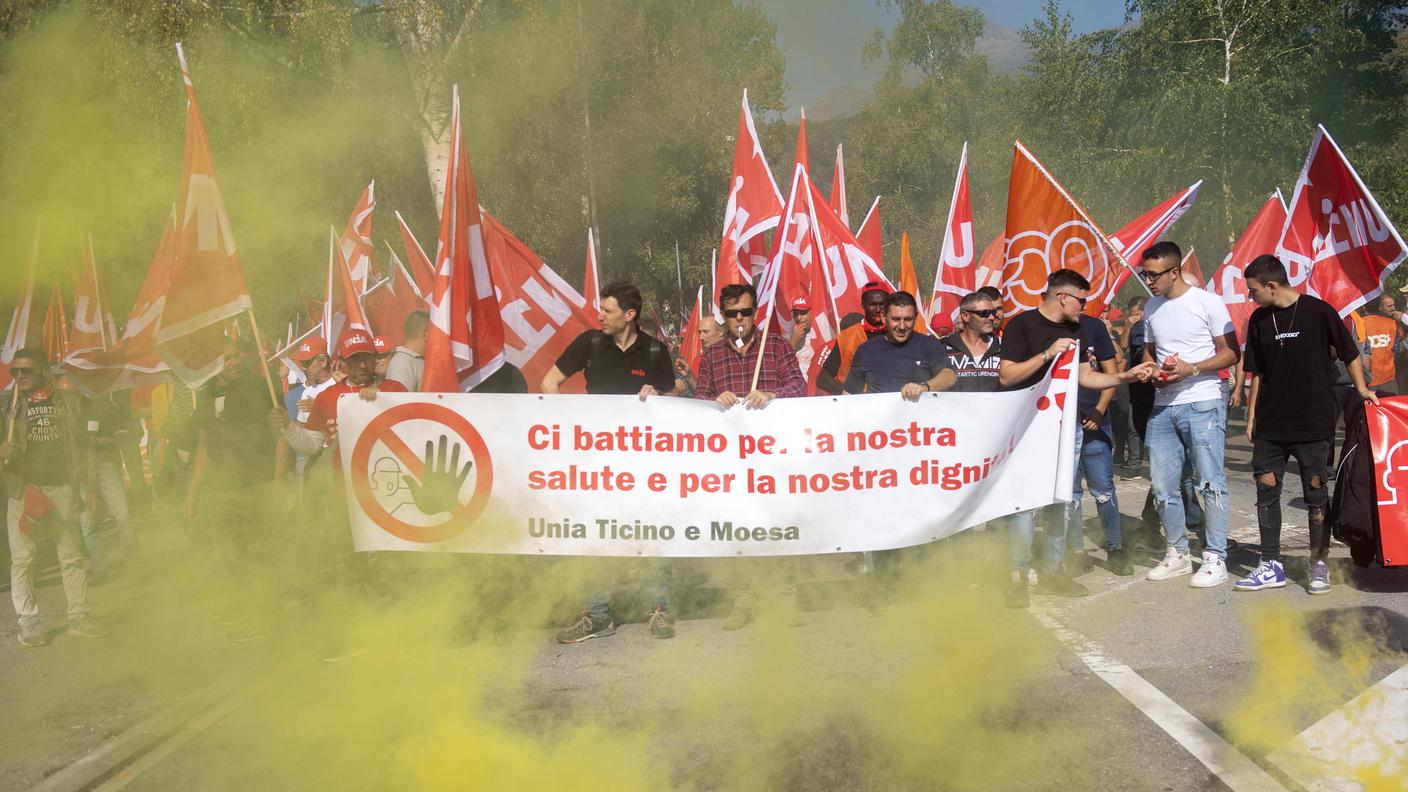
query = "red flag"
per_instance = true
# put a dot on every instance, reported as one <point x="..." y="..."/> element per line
<point x="466" y="340"/>
<point x="93" y="326"/>
<point x="788" y="275"/>
<point x="989" y="270"/>
<point x="342" y="303"/>
<point x="691" y="348"/>
<point x="956" y="275"/>
<point x="909" y="282"/>
<point x="55" y="326"/>
<point x="1192" y="270"/>
<point x="17" y="337"/>
<point x="355" y="244"/>
<point x="1388" y="441"/>
<point x="1149" y="228"/>
<point x="419" y="264"/>
<point x="869" y="233"/>
<point x="1259" y="237"/>
<point x="838" y="189"/>
<point x="541" y="312"/>
<point x="386" y="312"/>
<point x="1337" y="239"/>
<point x="408" y="292"/>
<point x="1048" y="231"/>
<point x="591" y="287"/>
<point x="206" y="284"/>
<point x="799" y="229"/>
<point x="754" y="206"/>
<point x="849" y="266"/>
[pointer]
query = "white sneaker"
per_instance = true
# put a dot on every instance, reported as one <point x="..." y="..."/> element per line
<point x="1031" y="576"/>
<point x="1213" y="572"/>
<point x="1173" y="565"/>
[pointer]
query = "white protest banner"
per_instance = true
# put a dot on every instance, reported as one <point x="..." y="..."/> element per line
<point x="612" y="476"/>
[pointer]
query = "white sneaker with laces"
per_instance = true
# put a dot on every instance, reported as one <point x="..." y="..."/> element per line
<point x="1174" y="564"/>
<point x="1213" y="572"/>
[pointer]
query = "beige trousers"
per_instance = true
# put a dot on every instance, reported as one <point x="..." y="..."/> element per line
<point x="62" y="524"/>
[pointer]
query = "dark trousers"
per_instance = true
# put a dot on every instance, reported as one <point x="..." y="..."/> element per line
<point x="1141" y="406"/>
<point x="1269" y="467"/>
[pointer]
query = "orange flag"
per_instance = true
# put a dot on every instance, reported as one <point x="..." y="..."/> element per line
<point x="206" y="284"/>
<point x="838" y="189"/>
<point x="1048" y="231"/>
<point x="909" y="282"/>
<point x="93" y="326"/>
<point x="691" y="349"/>
<point x="1192" y="270"/>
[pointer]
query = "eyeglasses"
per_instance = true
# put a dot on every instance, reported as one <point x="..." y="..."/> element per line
<point x="986" y="313"/>
<point x="1080" y="300"/>
<point x="1153" y="277"/>
<point x="734" y="313"/>
<point x="21" y="371"/>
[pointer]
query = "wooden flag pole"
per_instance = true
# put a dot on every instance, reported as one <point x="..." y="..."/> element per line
<point x="259" y="344"/>
<point x="758" y="366"/>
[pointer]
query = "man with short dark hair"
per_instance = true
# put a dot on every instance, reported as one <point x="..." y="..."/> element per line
<point x="618" y="358"/>
<point x="1292" y="341"/>
<point x="1190" y="336"/>
<point x="407" y="363"/>
<point x="975" y="350"/>
<point x="45" y="457"/>
<point x="1032" y="342"/>
<point x="837" y="365"/>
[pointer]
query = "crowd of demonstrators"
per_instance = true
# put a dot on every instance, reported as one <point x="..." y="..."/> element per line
<point x="727" y="376"/>
<point x="619" y="359"/>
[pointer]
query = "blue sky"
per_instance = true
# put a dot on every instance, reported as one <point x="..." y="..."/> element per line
<point x="822" y="39"/>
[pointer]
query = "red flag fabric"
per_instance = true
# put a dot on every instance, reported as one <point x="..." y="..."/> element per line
<point x="206" y="284"/>
<point x="1337" y="239"/>
<point x="1259" y="237"/>
<point x="591" y="286"/>
<point x="1193" y="270"/>
<point x="869" y="235"/>
<point x="788" y="274"/>
<point x="408" y="292"/>
<point x="989" y="269"/>
<point x="417" y="262"/>
<point x="17" y="337"/>
<point x="1388" y="438"/>
<point x="754" y="206"/>
<point x="55" y="326"/>
<point x="691" y="348"/>
<point x="37" y="509"/>
<point x="849" y="266"/>
<point x="956" y="276"/>
<point x="356" y="241"/>
<point x="466" y="340"/>
<point x="1048" y="231"/>
<point x="909" y="282"/>
<point x="541" y="312"/>
<point x="838" y="189"/>
<point x="1149" y="228"/>
<point x="792" y="283"/>
<point x="93" y="326"/>
<point x="342" y="302"/>
<point x="386" y="312"/>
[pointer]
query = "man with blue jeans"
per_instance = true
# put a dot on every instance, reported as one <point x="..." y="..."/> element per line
<point x="1190" y="336"/>
<point x="1095" y="456"/>
<point x="1030" y="343"/>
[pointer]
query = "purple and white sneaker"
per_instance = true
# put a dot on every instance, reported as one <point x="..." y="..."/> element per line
<point x="1268" y="574"/>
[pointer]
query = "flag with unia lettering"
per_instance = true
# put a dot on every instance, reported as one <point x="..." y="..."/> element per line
<point x="93" y="326"/>
<point x="1337" y="239"/>
<point x="206" y="284"/>
<point x="1260" y="237"/>
<point x="1048" y="231"/>
<point x="1149" y="228"/>
<point x="355" y="243"/>
<point x="754" y="207"/>
<point x="909" y="282"/>
<point x="869" y="236"/>
<point x="956" y="274"/>
<point x="465" y="343"/>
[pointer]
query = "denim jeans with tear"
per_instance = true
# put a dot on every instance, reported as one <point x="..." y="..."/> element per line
<point x="1193" y="433"/>
<point x="1095" y="459"/>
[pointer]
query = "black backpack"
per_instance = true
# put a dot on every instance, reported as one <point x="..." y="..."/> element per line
<point x="1354" y="507"/>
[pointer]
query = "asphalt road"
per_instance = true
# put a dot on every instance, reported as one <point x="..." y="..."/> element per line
<point x="1140" y="685"/>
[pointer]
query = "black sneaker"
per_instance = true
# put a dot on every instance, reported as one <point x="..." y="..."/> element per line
<point x="1060" y="586"/>
<point x="1118" y="562"/>
<point x="1078" y="564"/>
<point x="661" y="625"/>
<point x="586" y="629"/>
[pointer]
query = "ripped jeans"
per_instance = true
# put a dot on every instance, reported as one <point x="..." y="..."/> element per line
<point x="1269" y="459"/>
<point x="1095" y="459"/>
<point x="1195" y="433"/>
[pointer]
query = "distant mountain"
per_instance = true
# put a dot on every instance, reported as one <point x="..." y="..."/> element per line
<point x="841" y="101"/>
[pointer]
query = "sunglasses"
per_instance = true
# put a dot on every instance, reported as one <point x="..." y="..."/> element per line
<point x="22" y="371"/>
<point x="1080" y="300"/>
<point x="986" y="313"/>
<point x="734" y="313"/>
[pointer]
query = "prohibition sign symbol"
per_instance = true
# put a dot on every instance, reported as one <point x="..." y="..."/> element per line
<point x="381" y="429"/>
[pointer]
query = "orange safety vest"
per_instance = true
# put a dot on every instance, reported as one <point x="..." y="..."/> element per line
<point x="847" y="343"/>
<point x="1380" y="333"/>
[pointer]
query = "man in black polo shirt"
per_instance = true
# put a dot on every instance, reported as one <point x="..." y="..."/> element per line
<point x="1030" y="343"/>
<point x="618" y="359"/>
<point x="911" y="364"/>
<point x="973" y="351"/>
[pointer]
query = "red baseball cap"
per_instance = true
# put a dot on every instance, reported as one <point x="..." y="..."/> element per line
<point x="880" y="286"/>
<point x="354" y="342"/>
<point x="1115" y="314"/>
<point x="801" y="304"/>
<point x="383" y="347"/>
<point x="310" y="349"/>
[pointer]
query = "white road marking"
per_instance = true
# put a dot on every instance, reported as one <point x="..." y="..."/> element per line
<point x="1369" y="735"/>
<point x="1217" y="755"/>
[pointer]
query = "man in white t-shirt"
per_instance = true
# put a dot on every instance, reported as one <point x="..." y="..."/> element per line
<point x="1189" y="335"/>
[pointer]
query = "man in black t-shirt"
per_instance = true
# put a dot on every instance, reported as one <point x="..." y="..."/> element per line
<point x="45" y="457"/>
<point x="974" y="351"/>
<point x="1030" y="343"/>
<point x="618" y="358"/>
<point x="1293" y="340"/>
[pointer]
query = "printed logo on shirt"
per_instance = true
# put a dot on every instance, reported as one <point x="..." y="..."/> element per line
<point x="637" y="372"/>
<point x="1379" y="341"/>
<point x="1287" y="334"/>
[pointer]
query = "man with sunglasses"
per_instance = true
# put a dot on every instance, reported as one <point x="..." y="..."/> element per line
<point x="1032" y="342"/>
<point x="975" y="350"/>
<point x="45" y="457"/>
<point x="837" y="365"/>
<point x="1190" y="336"/>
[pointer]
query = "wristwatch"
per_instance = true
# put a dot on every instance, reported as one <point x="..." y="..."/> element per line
<point x="1195" y="370"/>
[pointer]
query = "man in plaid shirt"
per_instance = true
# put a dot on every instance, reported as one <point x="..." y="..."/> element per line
<point x="725" y="372"/>
<point x="727" y="368"/>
